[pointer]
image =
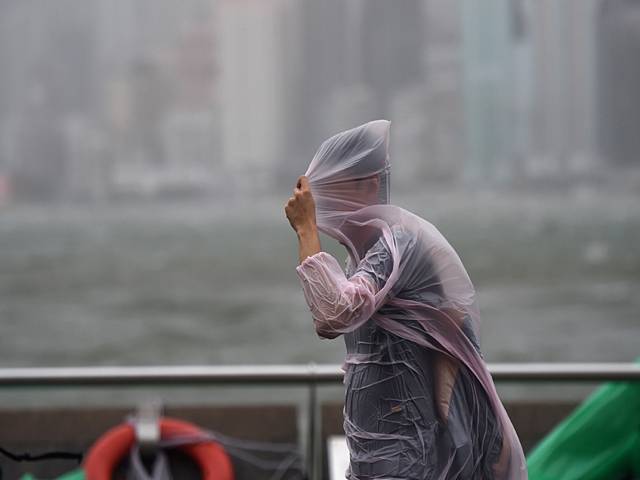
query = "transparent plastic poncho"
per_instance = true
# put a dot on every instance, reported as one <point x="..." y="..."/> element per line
<point x="419" y="400"/>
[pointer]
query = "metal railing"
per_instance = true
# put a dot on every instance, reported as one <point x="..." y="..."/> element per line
<point x="309" y="376"/>
<point x="288" y="374"/>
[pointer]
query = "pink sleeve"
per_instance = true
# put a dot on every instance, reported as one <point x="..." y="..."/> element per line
<point x="337" y="304"/>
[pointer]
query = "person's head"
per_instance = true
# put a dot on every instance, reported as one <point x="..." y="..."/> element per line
<point x="368" y="188"/>
<point x="350" y="171"/>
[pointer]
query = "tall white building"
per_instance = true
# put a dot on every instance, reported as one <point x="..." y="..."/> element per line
<point x="254" y="49"/>
<point x="564" y="75"/>
<point x="488" y="79"/>
<point x="529" y="88"/>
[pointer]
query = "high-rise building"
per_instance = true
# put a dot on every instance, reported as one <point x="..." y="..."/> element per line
<point x="48" y="77"/>
<point x="564" y="74"/>
<point x="363" y="60"/>
<point x="529" y="88"/>
<point x="618" y="27"/>
<point x="488" y="96"/>
<point x="441" y="153"/>
<point x="255" y="50"/>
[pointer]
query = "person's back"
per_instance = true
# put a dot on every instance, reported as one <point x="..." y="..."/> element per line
<point x="394" y="417"/>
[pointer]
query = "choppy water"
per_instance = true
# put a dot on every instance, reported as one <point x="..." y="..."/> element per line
<point x="558" y="279"/>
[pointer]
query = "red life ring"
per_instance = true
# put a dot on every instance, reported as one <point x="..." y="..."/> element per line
<point x="105" y="454"/>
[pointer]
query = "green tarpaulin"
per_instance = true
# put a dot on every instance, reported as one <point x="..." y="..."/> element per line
<point x="600" y="440"/>
<point x="75" y="475"/>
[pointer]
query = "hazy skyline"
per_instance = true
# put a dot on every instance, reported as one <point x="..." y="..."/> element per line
<point x="110" y="99"/>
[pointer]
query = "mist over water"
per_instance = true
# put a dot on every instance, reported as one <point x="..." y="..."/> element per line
<point x="214" y="283"/>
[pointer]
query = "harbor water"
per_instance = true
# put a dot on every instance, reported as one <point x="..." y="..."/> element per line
<point x="213" y="282"/>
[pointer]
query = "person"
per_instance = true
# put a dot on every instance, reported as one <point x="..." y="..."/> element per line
<point x="419" y="401"/>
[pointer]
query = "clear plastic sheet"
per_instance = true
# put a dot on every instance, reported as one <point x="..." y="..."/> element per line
<point x="419" y="400"/>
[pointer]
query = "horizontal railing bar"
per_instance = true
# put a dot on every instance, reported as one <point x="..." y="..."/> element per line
<point x="564" y="371"/>
<point x="178" y="375"/>
<point x="287" y="374"/>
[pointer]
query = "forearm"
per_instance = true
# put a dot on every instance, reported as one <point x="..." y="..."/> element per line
<point x="308" y="242"/>
<point x="338" y="304"/>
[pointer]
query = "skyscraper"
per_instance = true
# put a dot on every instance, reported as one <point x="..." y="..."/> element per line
<point x="254" y="94"/>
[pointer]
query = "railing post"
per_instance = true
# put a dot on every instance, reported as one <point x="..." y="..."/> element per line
<point x="314" y="448"/>
<point x="312" y="455"/>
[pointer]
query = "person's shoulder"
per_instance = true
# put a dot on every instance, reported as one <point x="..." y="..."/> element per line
<point x="404" y="237"/>
<point x="413" y="225"/>
<point x="399" y="230"/>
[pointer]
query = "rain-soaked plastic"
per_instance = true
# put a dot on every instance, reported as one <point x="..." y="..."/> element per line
<point x="419" y="401"/>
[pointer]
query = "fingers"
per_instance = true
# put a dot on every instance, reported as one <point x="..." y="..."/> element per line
<point x="289" y="203"/>
<point x="288" y="209"/>
<point x="302" y="184"/>
<point x="301" y="198"/>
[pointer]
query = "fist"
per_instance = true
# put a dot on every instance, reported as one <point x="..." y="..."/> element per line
<point x="301" y="209"/>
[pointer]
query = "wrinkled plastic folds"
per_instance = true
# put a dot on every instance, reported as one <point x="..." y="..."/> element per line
<point x="419" y="400"/>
